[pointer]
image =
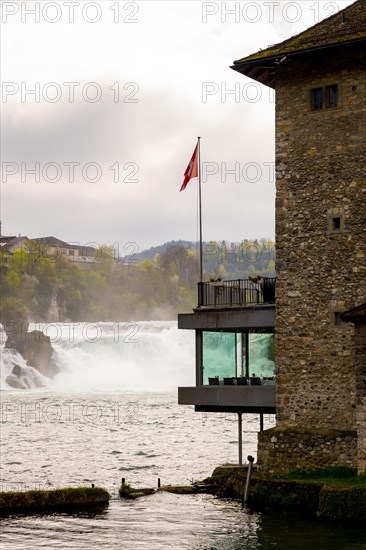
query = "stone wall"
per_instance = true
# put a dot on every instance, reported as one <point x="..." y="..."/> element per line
<point x="321" y="159"/>
<point x="361" y="430"/>
<point x="360" y="350"/>
<point x="283" y="450"/>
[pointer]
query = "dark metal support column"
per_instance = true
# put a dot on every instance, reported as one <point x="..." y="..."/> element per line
<point x="247" y="354"/>
<point x="199" y="358"/>
<point x="240" y="438"/>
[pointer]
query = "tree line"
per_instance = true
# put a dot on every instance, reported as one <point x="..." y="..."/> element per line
<point x="38" y="286"/>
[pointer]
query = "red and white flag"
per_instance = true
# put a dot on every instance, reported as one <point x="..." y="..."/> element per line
<point x="192" y="169"/>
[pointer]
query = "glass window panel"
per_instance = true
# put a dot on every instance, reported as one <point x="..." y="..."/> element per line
<point x="332" y="96"/>
<point x="317" y="99"/>
<point x="261" y="355"/>
<point x="219" y="355"/>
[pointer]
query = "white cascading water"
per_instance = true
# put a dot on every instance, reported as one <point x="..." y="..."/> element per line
<point x="141" y="356"/>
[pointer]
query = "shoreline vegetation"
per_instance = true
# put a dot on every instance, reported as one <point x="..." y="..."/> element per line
<point x="331" y="493"/>
<point x="20" y="502"/>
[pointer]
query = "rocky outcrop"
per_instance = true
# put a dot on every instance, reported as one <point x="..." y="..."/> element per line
<point x="53" y="314"/>
<point x="15" y="379"/>
<point x="19" y="379"/>
<point x="36" y="349"/>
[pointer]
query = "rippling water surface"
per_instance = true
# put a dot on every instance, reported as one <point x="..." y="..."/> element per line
<point x="53" y="440"/>
<point x="164" y="521"/>
<point x="71" y="434"/>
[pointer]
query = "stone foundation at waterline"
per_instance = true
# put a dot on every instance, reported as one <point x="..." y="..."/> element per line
<point x="361" y="430"/>
<point x="281" y="450"/>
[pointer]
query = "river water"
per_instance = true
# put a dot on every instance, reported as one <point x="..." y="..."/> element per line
<point x="112" y="412"/>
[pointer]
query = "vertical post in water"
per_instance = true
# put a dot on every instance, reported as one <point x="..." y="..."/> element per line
<point x="240" y="433"/>
<point x="261" y="422"/>
<point x="200" y="207"/>
<point x="249" y="475"/>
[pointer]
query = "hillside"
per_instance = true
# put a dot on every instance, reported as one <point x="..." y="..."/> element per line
<point x="41" y="288"/>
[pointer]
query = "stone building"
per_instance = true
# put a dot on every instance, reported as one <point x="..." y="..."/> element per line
<point x="320" y="82"/>
<point x="357" y="316"/>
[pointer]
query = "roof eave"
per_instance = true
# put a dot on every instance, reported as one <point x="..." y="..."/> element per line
<point x="264" y="70"/>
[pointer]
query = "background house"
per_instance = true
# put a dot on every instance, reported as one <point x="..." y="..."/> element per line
<point x="83" y="256"/>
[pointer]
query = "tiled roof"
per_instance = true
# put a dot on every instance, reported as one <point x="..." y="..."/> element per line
<point x="348" y="25"/>
<point x="52" y="241"/>
<point x="12" y="240"/>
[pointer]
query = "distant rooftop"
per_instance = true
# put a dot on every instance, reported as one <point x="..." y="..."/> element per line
<point x="52" y="241"/>
<point x="12" y="239"/>
<point x="347" y="26"/>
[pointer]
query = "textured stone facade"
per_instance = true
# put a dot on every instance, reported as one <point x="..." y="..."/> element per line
<point x="321" y="169"/>
<point x="320" y="82"/>
<point x="360" y="352"/>
<point x="281" y="450"/>
<point x="321" y="263"/>
<point x="361" y="431"/>
<point x="321" y="270"/>
<point x="360" y="349"/>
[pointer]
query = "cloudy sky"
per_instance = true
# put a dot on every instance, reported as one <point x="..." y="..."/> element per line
<point x="102" y="103"/>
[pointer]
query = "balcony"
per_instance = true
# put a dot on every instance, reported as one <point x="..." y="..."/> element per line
<point x="235" y="294"/>
<point x="234" y="361"/>
<point x="235" y="398"/>
<point x="235" y="372"/>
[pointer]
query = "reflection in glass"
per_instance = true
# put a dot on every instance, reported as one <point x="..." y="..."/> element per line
<point x="235" y="355"/>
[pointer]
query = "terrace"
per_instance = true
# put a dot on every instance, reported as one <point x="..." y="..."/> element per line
<point x="235" y="363"/>
<point x="239" y="293"/>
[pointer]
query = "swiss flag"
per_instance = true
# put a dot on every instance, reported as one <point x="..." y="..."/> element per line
<point x="192" y="169"/>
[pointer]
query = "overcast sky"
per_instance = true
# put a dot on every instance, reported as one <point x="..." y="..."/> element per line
<point x="121" y="90"/>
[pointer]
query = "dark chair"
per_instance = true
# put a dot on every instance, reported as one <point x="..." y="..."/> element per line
<point x="228" y="381"/>
<point x="255" y="381"/>
<point x="213" y="381"/>
<point x="241" y="381"/>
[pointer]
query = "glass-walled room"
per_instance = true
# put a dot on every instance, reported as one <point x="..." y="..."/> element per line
<point x="238" y="357"/>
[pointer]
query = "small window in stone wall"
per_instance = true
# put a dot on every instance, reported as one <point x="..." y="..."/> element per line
<point x="335" y="221"/>
<point x="324" y="98"/>
<point x="317" y="99"/>
<point x="331" y="96"/>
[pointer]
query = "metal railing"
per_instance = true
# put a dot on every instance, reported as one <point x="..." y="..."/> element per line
<point x="242" y="292"/>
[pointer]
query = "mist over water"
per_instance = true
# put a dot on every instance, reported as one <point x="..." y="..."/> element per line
<point x="127" y="356"/>
<point x="141" y="356"/>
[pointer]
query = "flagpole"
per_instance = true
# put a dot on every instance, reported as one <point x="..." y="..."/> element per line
<point x="200" y="208"/>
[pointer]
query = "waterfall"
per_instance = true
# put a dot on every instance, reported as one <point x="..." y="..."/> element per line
<point x="141" y="356"/>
